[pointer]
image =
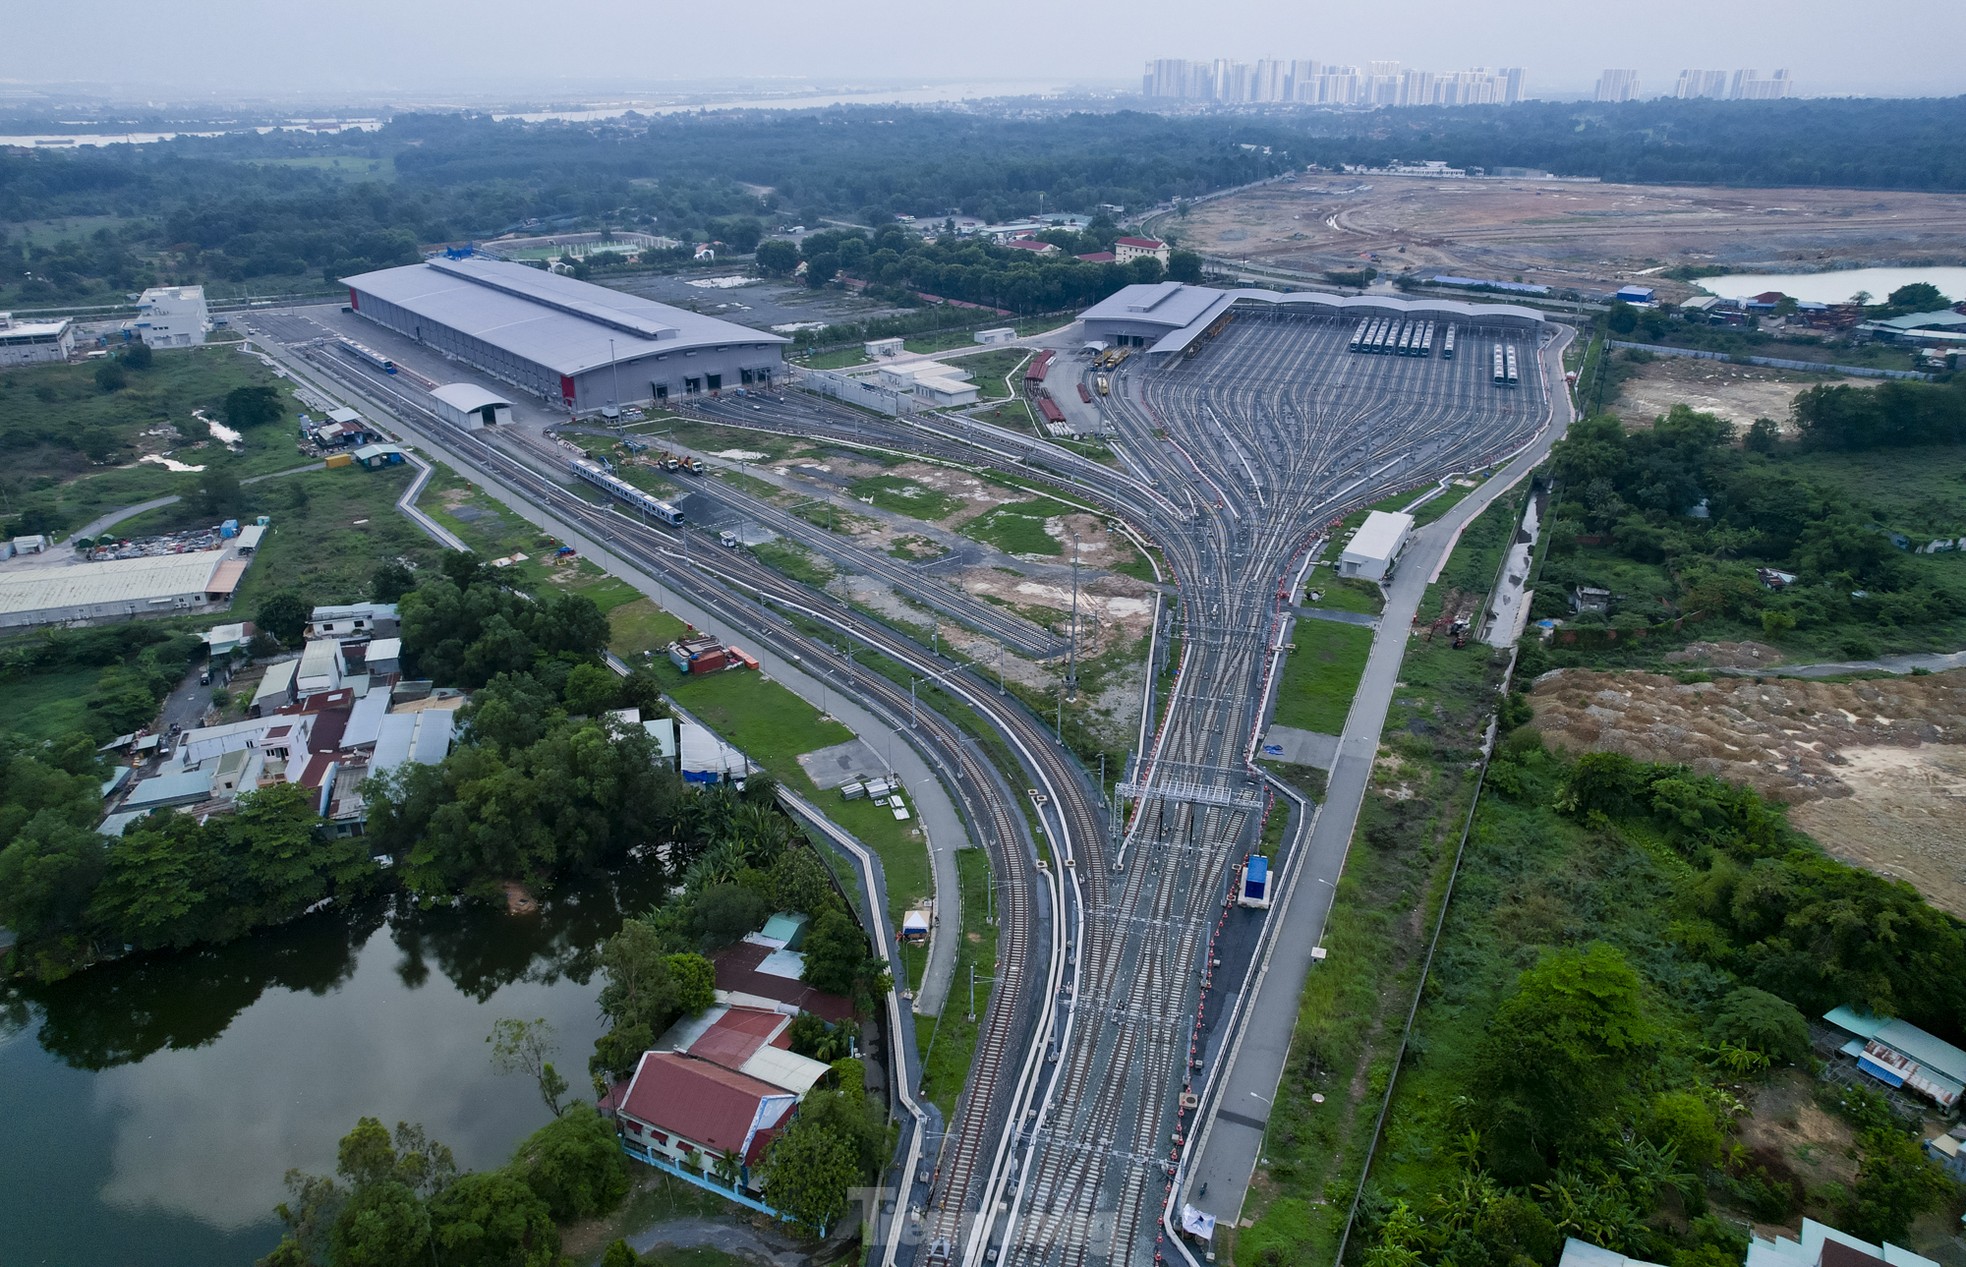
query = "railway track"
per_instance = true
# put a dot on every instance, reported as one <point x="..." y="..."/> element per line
<point x="1032" y="896"/>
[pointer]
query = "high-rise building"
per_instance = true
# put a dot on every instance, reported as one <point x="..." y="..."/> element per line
<point x="1307" y="82"/>
<point x="1696" y="84"/>
<point x="1750" y="86"/>
<point x="1617" y="85"/>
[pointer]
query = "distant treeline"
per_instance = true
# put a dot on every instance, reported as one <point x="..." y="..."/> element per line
<point x="285" y="209"/>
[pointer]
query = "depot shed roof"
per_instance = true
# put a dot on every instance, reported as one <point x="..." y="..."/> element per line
<point x="546" y="318"/>
<point x="467" y="396"/>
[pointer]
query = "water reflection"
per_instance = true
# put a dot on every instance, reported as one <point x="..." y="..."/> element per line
<point x="159" y="1101"/>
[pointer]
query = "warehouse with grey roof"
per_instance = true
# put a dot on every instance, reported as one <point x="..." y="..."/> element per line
<point x="571" y="343"/>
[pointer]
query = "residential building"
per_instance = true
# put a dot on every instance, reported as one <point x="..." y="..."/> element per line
<point x="693" y="1113"/>
<point x="1126" y="250"/>
<point x="1817" y="1245"/>
<point x="1305" y="81"/>
<point x="755" y="972"/>
<point x="33" y="342"/>
<point x="749" y="1040"/>
<point x="172" y="316"/>
<point x="1694" y="84"/>
<point x="1750" y="86"/>
<point x="1033" y="245"/>
<point x="354" y="620"/>
<point x="1902" y="1056"/>
<point x="1617" y="85"/>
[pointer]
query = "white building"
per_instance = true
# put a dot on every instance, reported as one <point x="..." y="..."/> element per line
<point x="470" y="407"/>
<point x="936" y="384"/>
<point x="1372" y="549"/>
<point x="31" y="342"/>
<point x="1617" y="85"/>
<point x="354" y="620"/>
<point x="173" y="316"/>
<point x="1125" y="249"/>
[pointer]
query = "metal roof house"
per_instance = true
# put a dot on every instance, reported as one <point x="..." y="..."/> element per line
<point x="469" y="406"/>
<point x="1899" y="1054"/>
<point x="1372" y="549"/>
<point x="569" y="342"/>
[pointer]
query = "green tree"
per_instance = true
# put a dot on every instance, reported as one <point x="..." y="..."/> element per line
<point x="592" y="689"/>
<point x="520" y="1046"/>
<point x="1763" y="436"/>
<point x="800" y="882"/>
<point x="1762" y="1022"/>
<point x="253" y="406"/>
<point x="1567" y="1041"/>
<point x="807" y="1174"/>
<point x="284" y="615"/>
<point x="1896" y="1183"/>
<point x="48" y="874"/>
<point x="1622" y="319"/>
<point x="1916" y="297"/>
<point x="693" y="982"/>
<point x="110" y="377"/>
<point x="778" y="256"/>
<point x="492" y="1219"/>
<point x="835" y="952"/>
<point x="137" y="355"/>
<point x="574" y="1164"/>
<point x="1183" y="266"/>
<point x="383" y="1224"/>
<point x="390" y="581"/>
<point x="619" y="1254"/>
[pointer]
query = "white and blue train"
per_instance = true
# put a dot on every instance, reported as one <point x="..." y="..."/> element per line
<point x="622" y="491"/>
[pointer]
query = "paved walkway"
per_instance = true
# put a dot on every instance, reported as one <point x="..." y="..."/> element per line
<point x="732" y="1237"/>
<point x="96" y="527"/>
<point x="1224" y="1158"/>
<point x="1930" y="661"/>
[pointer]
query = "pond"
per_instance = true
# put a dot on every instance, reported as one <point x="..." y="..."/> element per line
<point x="152" y="1106"/>
<point x="1837" y="285"/>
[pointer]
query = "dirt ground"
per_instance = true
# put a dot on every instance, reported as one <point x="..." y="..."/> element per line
<point x="1738" y="393"/>
<point x="1874" y="770"/>
<point x="1565" y="234"/>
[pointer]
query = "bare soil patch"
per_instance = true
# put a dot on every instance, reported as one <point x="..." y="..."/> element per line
<point x="1585" y="235"/>
<point x="1737" y="393"/>
<point x="1876" y="770"/>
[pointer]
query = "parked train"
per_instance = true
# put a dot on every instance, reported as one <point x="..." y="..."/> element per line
<point x="622" y="491"/>
<point x="368" y="356"/>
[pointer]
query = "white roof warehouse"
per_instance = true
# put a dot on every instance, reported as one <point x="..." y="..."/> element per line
<point x="167" y="585"/>
<point x="569" y="342"/>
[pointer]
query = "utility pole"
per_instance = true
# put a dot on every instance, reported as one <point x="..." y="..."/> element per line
<point x="614" y="374"/>
<point x="1000" y="668"/>
<point x="911" y="703"/>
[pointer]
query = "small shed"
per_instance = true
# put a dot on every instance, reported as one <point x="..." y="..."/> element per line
<point x="914" y="926"/>
<point x="470" y="406"/>
<point x="375" y="456"/>
<point x="787" y="928"/>
<point x="1639" y="295"/>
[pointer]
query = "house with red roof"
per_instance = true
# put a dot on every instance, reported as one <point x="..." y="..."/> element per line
<point x="677" y="1111"/>
<point x="1126" y="249"/>
<point x="1032" y="245"/>
<point x="751" y="1040"/>
<point x="758" y="971"/>
<point x="1099" y="257"/>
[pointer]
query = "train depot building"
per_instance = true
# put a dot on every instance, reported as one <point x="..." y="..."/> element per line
<point x="1168" y="319"/>
<point x="583" y="347"/>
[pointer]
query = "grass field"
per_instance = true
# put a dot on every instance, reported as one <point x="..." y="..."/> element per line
<point x="774" y="727"/>
<point x="1353" y="1005"/>
<point x="331" y="530"/>
<point x="493" y="530"/>
<point x="905" y="497"/>
<point x="43" y="705"/>
<point x="56" y="425"/>
<point x="988" y="369"/>
<point x="639" y="625"/>
<point x="948" y="1042"/>
<point x="355" y="169"/>
<point x="1345" y="594"/>
<point x="1321" y="675"/>
<point x="1018" y="527"/>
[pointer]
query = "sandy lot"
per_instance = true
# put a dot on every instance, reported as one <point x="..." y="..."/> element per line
<point x="1738" y="393"/>
<point x="1562" y="234"/>
<point x="1875" y="771"/>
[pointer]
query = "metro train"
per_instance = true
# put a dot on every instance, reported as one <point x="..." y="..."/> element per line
<point x="622" y="491"/>
<point x="368" y="356"/>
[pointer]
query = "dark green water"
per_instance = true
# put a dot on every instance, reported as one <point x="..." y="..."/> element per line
<point x="149" y="1109"/>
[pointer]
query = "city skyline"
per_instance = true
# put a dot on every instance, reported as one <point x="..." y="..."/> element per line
<point x="1305" y="81"/>
<point x="220" y="48"/>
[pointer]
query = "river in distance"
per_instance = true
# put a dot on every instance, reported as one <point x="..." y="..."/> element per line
<point x="149" y="1108"/>
<point x="1837" y="285"/>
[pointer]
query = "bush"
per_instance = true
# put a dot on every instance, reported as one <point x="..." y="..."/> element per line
<point x="574" y="1165"/>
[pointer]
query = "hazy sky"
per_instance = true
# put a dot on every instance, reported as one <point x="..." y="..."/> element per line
<point x="570" y="48"/>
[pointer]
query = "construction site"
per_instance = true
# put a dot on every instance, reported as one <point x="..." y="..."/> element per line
<point x="1566" y="234"/>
